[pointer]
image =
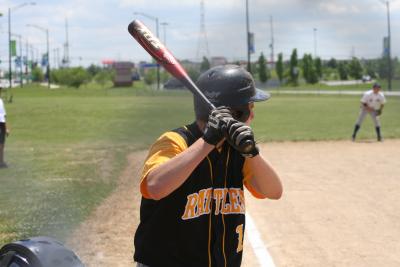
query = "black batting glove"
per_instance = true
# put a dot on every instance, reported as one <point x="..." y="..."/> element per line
<point x="237" y="134"/>
<point x="213" y="132"/>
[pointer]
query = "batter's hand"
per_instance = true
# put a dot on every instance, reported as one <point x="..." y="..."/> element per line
<point x="213" y="133"/>
<point x="237" y="132"/>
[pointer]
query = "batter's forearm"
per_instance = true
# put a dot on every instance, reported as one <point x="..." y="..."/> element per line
<point x="265" y="179"/>
<point x="170" y="175"/>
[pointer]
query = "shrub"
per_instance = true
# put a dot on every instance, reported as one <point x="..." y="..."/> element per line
<point x="73" y="77"/>
<point x="37" y="75"/>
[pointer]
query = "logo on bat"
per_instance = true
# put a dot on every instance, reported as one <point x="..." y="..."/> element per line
<point x="148" y="36"/>
<point x="153" y="45"/>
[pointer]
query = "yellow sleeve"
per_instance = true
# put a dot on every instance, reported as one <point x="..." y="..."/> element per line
<point x="165" y="148"/>
<point x="247" y="176"/>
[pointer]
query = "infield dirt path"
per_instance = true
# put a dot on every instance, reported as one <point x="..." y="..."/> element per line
<point x="340" y="207"/>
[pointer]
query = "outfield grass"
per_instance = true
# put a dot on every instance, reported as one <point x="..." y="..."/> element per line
<point x="68" y="146"/>
<point x="351" y="87"/>
<point x="319" y="117"/>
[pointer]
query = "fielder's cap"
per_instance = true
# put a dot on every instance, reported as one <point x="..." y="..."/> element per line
<point x="376" y="85"/>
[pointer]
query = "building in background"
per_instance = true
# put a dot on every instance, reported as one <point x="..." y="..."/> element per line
<point x="124" y="71"/>
<point x="216" y="61"/>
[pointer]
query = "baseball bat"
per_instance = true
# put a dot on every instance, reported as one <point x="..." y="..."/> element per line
<point x="164" y="57"/>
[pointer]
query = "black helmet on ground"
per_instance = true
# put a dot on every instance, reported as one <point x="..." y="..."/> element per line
<point x="38" y="252"/>
<point x="227" y="85"/>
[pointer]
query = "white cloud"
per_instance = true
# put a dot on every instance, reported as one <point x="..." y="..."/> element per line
<point x="97" y="29"/>
<point x="336" y="9"/>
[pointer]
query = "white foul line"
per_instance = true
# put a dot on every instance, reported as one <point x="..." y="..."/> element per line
<point x="263" y="256"/>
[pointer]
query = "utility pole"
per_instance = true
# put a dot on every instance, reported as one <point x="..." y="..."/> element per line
<point x="202" y="43"/>
<point x="58" y="57"/>
<point x="27" y="60"/>
<point x="9" y="50"/>
<point x="165" y="24"/>
<point x="9" y="43"/>
<point x="21" y="80"/>
<point x="46" y="31"/>
<point x="19" y="57"/>
<point x="272" y="43"/>
<point x="248" y="37"/>
<point x="315" y="42"/>
<point x="66" y="46"/>
<point x="389" y="47"/>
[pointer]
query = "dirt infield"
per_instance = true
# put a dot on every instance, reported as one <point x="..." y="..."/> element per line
<point x="340" y="207"/>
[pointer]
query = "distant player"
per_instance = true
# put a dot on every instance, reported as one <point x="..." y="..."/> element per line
<point x="372" y="103"/>
<point x="193" y="208"/>
<point x="4" y="131"/>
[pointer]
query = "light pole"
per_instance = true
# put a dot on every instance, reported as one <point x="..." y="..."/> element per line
<point x="389" y="46"/>
<point x="248" y="37"/>
<point x="48" y="54"/>
<point x="9" y="40"/>
<point x="315" y="42"/>
<point x="165" y="24"/>
<point x="157" y="33"/>
<point x="20" y="57"/>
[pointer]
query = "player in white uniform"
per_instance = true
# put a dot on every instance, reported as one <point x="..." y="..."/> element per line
<point x="4" y="131"/>
<point x="372" y="103"/>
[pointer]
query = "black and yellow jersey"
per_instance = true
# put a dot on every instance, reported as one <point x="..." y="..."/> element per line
<point x="202" y="222"/>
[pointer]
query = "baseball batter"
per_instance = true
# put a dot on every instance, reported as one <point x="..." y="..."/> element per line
<point x="193" y="206"/>
<point x="372" y="103"/>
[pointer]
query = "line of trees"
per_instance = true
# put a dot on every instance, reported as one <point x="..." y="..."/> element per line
<point x="75" y="76"/>
<point x="312" y="70"/>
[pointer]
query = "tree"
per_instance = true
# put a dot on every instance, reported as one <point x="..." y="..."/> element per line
<point x="294" y="70"/>
<point x="73" y="77"/>
<point x="313" y="76"/>
<point x="103" y="76"/>
<point x="193" y="73"/>
<point x="262" y="69"/>
<point x="306" y="64"/>
<point x="150" y="76"/>
<point x="93" y="70"/>
<point x="279" y="67"/>
<point x="205" y="65"/>
<point x="77" y="77"/>
<point x="309" y="69"/>
<point x="384" y="67"/>
<point x="37" y="74"/>
<point x="318" y="67"/>
<point x="342" y="69"/>
<point x="355" y="69"/>
<point x="165" y="76"/>
<point x="372" y="68"/>
<point x="332" y="63"/>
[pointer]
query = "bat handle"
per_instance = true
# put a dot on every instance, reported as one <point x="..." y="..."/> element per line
<point x="246" y="146"/>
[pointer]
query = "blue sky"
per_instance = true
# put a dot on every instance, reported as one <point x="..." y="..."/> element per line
<point x="98" y="29"/>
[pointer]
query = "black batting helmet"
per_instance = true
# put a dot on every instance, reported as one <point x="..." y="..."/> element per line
<point x="38" y="252"/>
<point x="227" y="85"/>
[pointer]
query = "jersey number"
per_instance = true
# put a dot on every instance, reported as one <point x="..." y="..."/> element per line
<point x="239" y="231"/>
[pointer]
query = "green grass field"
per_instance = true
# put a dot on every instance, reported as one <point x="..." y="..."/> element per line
<point x="351" y="87"/>
<point x="68" y="146"/>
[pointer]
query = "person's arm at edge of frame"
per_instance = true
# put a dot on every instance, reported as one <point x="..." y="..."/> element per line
<point x="265" y="180"/>
<point x="170" y="175"/>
